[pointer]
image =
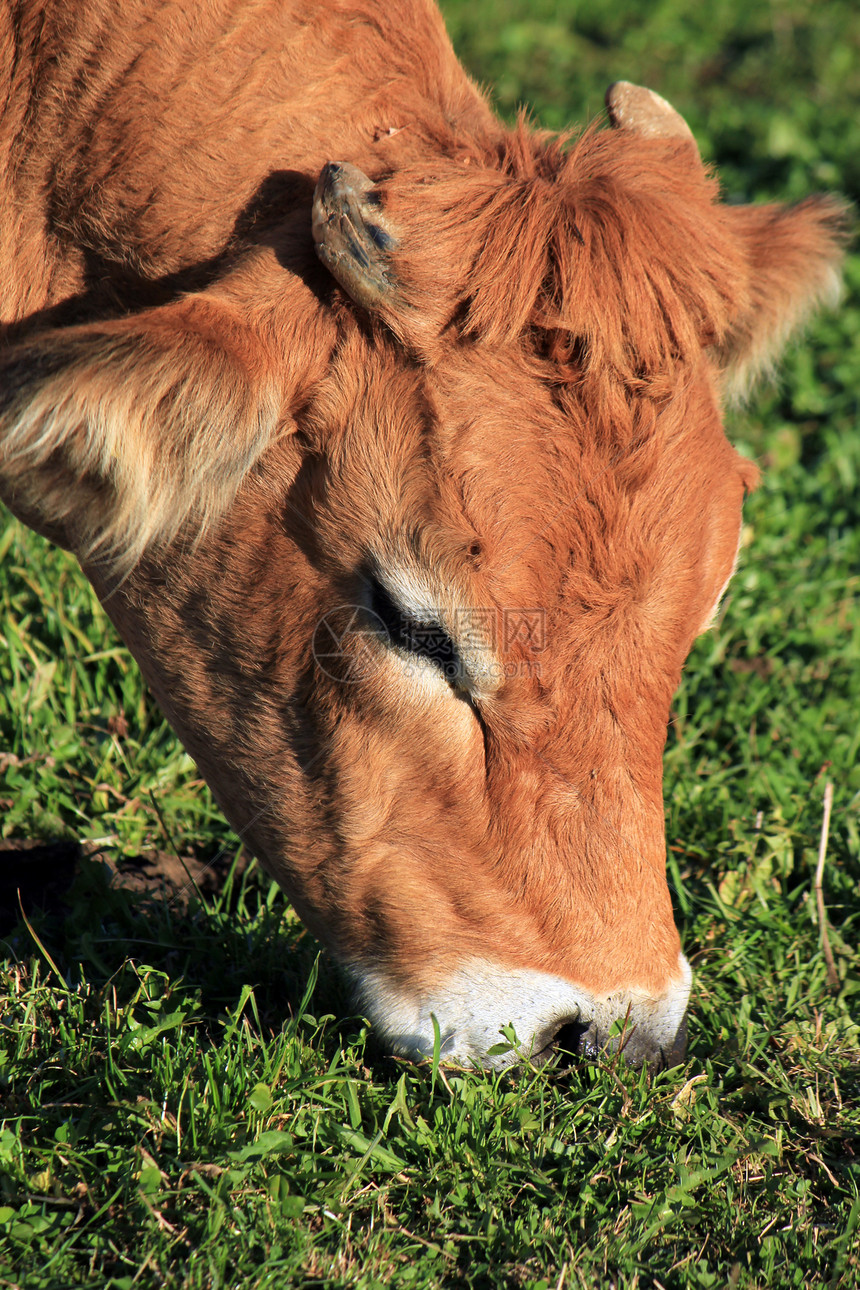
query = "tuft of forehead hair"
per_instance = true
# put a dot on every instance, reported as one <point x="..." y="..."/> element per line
<point x="611" y="255"/>
<point x="612" y="239"/>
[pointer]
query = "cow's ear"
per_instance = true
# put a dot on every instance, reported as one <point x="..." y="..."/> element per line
<point x="794" y="255"/>
<point x="119" y="435"/>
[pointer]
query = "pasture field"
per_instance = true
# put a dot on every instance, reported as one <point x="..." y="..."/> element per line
<point x="185" y="1097"/>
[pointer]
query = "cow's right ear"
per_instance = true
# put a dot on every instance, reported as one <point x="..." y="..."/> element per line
<point x="794" y="255"/>
<point x="115" y="436"/>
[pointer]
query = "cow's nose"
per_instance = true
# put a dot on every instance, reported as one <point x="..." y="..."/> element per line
<point x="638" y="1048"/>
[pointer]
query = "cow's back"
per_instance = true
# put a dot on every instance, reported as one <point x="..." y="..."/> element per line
<point x="139" y="139"/>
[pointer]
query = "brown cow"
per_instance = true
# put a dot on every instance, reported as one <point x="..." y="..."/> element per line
<point x="411" y="531"/>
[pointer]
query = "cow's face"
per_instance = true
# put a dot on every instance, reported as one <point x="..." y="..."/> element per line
<point x="502" y="616"/>
<point x="461" y="538"/>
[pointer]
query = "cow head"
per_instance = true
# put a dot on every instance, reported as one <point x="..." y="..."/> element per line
<point x="412" y="555"/>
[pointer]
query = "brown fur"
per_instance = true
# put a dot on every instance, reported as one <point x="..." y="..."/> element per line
<point x="190" y="403"/>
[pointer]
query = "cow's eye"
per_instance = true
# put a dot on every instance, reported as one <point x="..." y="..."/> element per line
<point x="425" y="638"/>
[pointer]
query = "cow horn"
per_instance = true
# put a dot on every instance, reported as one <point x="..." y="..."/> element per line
<point x="352" y="236"/>
<point x="632" y="107"/>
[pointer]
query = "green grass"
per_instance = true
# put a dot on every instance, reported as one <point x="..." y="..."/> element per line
<point x="185" y="1098"/>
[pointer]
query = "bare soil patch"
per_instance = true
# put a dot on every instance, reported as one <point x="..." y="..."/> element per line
<point x="37" y="875"/>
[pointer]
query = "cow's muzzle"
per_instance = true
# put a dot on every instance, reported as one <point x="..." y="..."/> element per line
<point x="468" y="1014"/>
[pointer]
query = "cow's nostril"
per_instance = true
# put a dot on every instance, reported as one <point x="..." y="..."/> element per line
<point x="570" y="1039"/>
<point x="580" y="1039"/>
<point x="637" y="1046"/>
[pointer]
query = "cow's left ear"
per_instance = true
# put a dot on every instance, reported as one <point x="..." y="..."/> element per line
<point x="794" y="254"/>
<point x="116" y="435"/>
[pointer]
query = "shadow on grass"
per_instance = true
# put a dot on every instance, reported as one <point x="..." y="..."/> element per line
<point x="215" y="924"/>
